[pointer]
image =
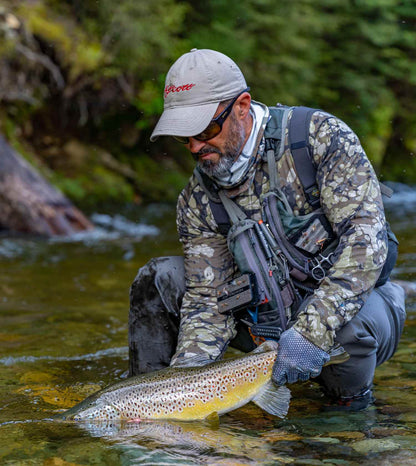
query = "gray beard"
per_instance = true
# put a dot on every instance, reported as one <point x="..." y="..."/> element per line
<point x="222" y="168"/>
<point x="232" y="150"/>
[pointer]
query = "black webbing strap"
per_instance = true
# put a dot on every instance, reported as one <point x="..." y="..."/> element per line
<point x="218" y="210"/>
<point x="299" y="147"/>
<point x="221" y="217"/>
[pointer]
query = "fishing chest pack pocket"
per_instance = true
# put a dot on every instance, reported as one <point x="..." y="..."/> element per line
<point x="238" y="294"/>
<point x="307" y="241"/>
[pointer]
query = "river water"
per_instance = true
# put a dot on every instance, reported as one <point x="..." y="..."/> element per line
<point x="63" y="335"/>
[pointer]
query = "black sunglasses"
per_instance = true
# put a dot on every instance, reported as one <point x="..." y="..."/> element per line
<point x="215" y="125"/>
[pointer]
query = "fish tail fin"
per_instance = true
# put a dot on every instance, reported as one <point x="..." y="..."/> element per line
<point x="337" y="355"/>
<point x="273" y="399"/>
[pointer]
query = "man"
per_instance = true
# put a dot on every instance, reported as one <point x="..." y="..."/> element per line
<point x="174" y="316"/>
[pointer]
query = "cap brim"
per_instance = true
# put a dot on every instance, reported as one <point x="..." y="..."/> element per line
<point x="184" y="121"/>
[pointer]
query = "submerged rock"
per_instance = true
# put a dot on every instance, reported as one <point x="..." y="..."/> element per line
<point x="375" y="445"/>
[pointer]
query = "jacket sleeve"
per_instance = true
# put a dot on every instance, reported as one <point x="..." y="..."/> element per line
<point x="351" y="200"/>
<point x="204" y="333"/>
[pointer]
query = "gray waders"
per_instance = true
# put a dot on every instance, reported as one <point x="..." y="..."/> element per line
<point x="370" y="338"/>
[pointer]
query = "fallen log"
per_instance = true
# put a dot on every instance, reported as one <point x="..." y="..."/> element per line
<point x="29" y="204"/>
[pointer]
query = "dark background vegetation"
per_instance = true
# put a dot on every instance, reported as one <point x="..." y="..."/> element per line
<point x="81" y="81"/>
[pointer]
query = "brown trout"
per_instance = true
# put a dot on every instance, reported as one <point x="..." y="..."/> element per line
<point x="190" y="393"/>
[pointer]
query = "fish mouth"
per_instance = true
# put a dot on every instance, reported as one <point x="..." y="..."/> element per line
<point x="69" y="417"/>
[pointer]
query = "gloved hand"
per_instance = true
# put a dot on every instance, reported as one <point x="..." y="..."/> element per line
<point x="297" y="359"/>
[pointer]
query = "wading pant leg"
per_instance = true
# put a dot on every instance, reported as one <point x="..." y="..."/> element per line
<point x="370" y="338"/>
<point x="155" y="301"/>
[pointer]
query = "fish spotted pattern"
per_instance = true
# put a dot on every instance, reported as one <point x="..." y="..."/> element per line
<point x="190" y="393"/>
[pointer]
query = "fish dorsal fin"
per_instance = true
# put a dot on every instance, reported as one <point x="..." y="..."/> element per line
<point x="273" y="399"/>
<point x="268" y="345"/>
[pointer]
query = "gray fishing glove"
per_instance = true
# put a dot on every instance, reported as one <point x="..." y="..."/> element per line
<point x="297" y="359"/>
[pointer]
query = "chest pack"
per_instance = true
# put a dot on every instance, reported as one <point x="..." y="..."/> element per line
<point x="282" y="257"/>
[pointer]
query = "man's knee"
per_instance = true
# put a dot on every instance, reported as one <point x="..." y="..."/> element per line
<point x="155" y="301"/>
<point x="370" y="338"/>
<point x="170" y="282"/>
<point x="356" y="374"/>
<point x="378" y="326"/>
<point x="394" y="301"/>
<point x="159" y="281"/>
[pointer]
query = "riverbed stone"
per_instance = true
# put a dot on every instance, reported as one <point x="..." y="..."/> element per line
<point x="323" y="440"/>
<point x="347" y="435"/>
<point x="375" y="445"/>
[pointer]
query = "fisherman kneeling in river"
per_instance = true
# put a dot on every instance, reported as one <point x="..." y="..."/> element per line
<point x="284" y="237"/>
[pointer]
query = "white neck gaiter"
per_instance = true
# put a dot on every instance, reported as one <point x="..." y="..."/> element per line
<point x="246" y="159"/>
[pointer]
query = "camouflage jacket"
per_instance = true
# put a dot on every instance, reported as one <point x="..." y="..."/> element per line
<point x="351" y="200"/>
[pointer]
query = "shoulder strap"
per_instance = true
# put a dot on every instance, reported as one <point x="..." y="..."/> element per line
<point x="218" y="211"/>
<point x="299" y="147"/>
<point x="234" y="212"/>
<point x="221" y="217"/>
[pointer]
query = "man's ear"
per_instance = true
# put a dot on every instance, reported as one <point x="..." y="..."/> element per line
<point x="242" y="106"/>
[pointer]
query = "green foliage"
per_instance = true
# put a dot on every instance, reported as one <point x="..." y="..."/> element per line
<point x="354" y="58"/>
<point x="39" y="21"/>
<point x="141" y="34"/>
<point x="99" y="185"/>
<point x="159" y="180"/>
<point x="73" y="188"/>
<point x="149" y="101"/>
<point x="76" y="50"/>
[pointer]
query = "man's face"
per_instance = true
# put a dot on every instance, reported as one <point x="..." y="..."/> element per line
<point x="216" y="156"/>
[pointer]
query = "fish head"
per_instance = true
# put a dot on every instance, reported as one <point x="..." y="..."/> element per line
<point x="92" y="410"/>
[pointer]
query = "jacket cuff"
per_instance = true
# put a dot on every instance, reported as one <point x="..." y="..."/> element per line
<point x="312" y="324"/>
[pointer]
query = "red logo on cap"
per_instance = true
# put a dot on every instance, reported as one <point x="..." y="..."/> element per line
<point x="171" y="88"/>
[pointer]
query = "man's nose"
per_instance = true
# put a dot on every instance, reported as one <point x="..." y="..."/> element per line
<point x="194" y="145"/>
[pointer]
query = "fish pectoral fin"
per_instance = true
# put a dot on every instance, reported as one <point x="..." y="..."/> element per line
<point x="213" y="418"/>
<point x="273" y="399"/>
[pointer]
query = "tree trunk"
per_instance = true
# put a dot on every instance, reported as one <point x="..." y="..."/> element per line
<point x="29" y="204"/>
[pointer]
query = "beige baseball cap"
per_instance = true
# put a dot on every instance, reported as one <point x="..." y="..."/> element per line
<point x="195" y="84"/>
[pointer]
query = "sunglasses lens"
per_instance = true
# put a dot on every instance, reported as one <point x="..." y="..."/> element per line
<point x="209" y="132"/>
<point x="181" y="139"/>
